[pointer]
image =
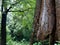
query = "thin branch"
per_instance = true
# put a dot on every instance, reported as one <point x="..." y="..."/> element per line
<point x="21" y="10"/>
<point x="13" y="5"/>
<point x="16" y="11"/>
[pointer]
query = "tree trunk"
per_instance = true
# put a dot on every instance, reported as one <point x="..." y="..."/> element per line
<point x="50" y="6"/>
<point x="47" y="21"/>
<point x="57" y="36"/>
<point x="3" y="25"/>
<point x="36" y="21"/>
<point x="3" y="29"/>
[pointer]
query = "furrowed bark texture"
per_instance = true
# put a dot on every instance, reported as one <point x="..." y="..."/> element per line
<point x="47" y="19"/>
<point x="36" y="21"/>
<point x="57" y="36"/>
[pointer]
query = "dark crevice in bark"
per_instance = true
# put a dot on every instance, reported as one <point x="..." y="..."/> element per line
<point x="52" y="39"/>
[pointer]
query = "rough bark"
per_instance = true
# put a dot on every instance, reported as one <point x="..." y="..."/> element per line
<point x="57" y="36"/>
<point x="46" y="27"/>
<point x="47" y="19"/>
<point x="36" y="21"/>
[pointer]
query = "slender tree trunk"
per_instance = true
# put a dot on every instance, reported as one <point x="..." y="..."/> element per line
<point x="3" y="25"/>
<point x="3" y="29"/>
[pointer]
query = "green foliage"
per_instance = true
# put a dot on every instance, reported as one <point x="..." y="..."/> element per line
<point x="20" y="23"/>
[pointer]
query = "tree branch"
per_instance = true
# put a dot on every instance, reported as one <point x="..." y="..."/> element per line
<point x="16" y="11"/>
<point x="21" y="10"/>
<point x="13" y="5"/>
